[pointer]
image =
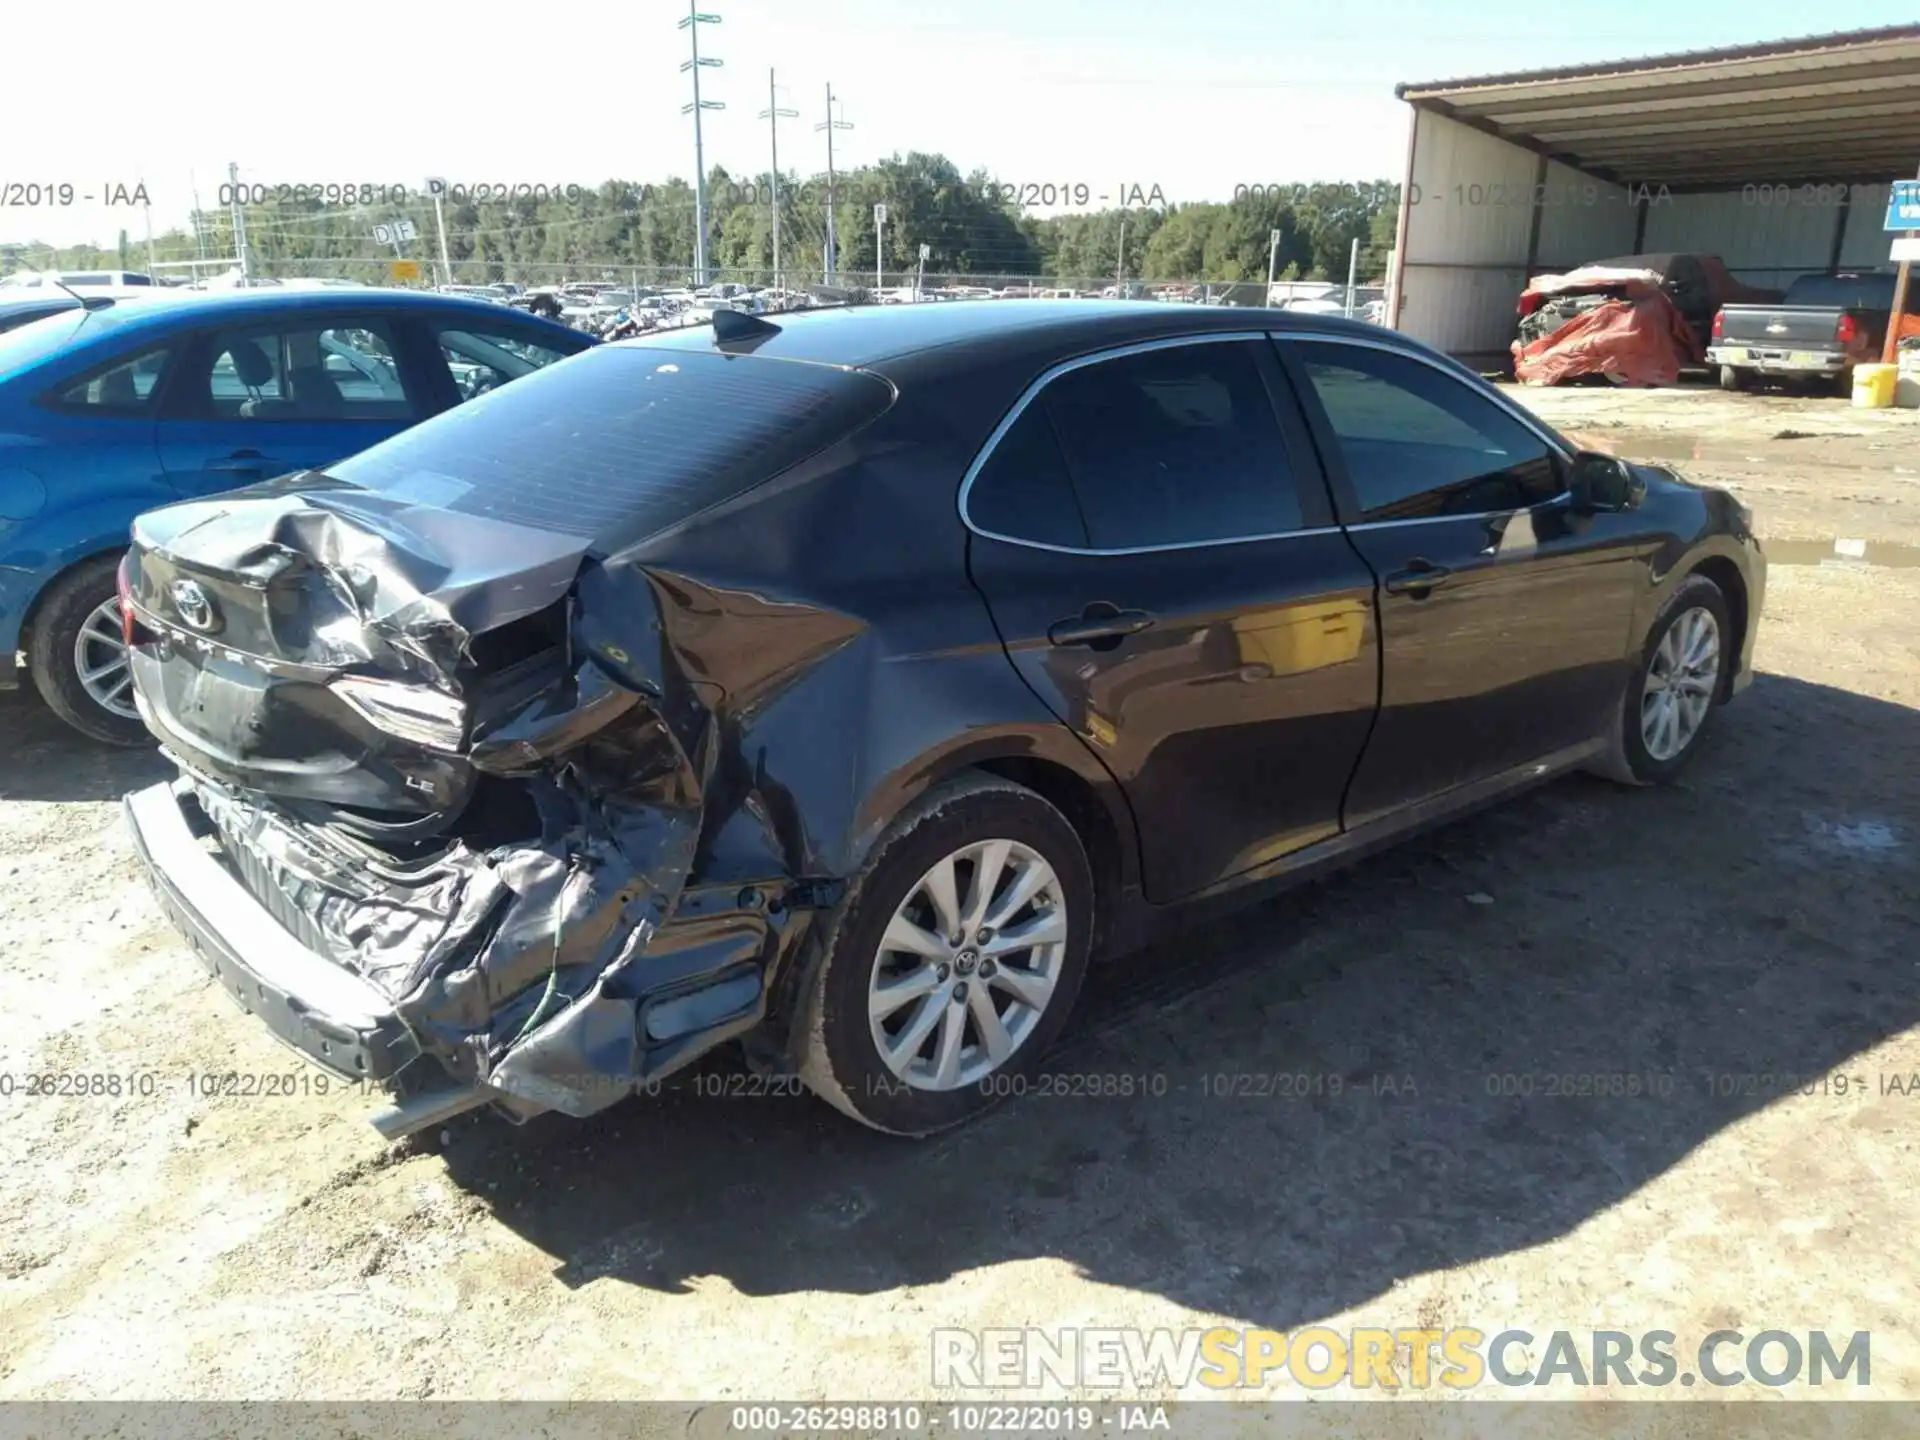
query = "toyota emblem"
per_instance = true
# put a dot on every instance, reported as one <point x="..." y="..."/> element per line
<point x="193" y="605"/>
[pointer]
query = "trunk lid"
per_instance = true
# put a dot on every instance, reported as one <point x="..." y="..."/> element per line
<point x="320" y="643"/>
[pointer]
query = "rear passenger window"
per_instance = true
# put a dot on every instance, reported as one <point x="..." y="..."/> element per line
<point x="1023" y="491"/>
<point x="1174" y="445"/>
<point x="1418" y="443"/>
<point x="125" y="389"/>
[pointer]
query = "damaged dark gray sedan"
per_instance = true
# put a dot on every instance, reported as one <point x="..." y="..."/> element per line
<point x="841" y="686"/>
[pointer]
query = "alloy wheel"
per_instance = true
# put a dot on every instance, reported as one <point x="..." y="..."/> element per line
<point x="100" y="660"/>
<point x="1680" y="683"/>
<point x="968" y="965"/>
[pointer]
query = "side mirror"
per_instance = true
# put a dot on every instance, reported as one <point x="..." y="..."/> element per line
<point x="1604" y="484"/>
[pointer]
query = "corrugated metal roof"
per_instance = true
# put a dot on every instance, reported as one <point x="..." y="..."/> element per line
<point x="1842" y="107"/>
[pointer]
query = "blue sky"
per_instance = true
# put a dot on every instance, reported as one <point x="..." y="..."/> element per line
<point x="1193" y="98"/>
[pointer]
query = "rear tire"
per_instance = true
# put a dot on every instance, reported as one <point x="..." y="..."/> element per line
<point x="943" y="1019"/>
<point x="1732" y="379"/>
<point x="1680" y="680"/>
<point x="69" y="629"/>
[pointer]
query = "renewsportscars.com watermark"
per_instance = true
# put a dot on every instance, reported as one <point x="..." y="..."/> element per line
<point x="1321" y="1358"/>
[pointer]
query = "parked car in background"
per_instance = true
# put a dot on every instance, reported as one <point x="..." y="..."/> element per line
<point x="105" y="412"/>
<point x="848" y="693"/>
<point x="1825" y="325"/>
<point x="471" y="292"/>
<point x="77" y="279"/>
<point x="1636" y="320"/>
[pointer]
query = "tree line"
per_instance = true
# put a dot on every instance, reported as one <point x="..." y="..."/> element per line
<point x="970" y="224"/>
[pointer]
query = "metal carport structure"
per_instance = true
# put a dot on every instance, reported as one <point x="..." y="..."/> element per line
<point x="1775" y="157"/>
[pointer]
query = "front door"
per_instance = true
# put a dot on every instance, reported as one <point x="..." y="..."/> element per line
<point x="1152" y="536"/>
<point x="1503" y="614"/>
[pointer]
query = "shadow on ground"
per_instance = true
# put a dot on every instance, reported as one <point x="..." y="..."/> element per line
<point x="1758" y="920"/>
<point x="43" y="758"/>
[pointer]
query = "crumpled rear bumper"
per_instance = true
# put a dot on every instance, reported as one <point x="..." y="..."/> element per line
<point x="332" y="1016"/>
<point x="676" y="992"/>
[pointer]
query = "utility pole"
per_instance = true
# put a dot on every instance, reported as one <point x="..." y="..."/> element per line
<point x="1273" y="254"/>
<point x="437" y="187"/>
<point x="830" y="125"/>
<point x="879" y="251"/>
<point x="694" y="20"/>
<point x="773" y="115"/>
<point x="1353" y="269"/>
<point x="239" y="222"/>
<point x="199" y="220"/>
<point x="1120" y="266"/>
<point x="152" y="268"/>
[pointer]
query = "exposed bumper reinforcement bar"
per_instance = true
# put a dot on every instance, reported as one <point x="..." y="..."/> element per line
<point x="330" y="1015"/>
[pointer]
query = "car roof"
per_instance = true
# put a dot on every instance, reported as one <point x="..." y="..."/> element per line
<point x="161" y="314"/>
<point x="868" y="337"/>
<point x="195" y="305"/>
<point x="52" y="303"/>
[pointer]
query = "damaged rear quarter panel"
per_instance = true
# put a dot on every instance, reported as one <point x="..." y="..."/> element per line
<point x="828" y="724"/>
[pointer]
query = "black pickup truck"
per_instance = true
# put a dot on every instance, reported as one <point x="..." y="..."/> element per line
<point x="1826" y="325"/>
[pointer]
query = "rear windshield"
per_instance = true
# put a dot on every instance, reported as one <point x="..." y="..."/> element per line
<point x="621" y="441"/>
<point x="1843" y="292"/>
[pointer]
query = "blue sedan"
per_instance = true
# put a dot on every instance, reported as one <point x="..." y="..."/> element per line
<point x="108" y="412"/>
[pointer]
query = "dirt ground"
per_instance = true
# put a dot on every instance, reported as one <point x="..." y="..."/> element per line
<point x="1761" y="920"/>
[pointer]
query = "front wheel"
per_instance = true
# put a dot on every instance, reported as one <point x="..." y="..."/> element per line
<point x="953" y="960"/>
<point x="1671" y="696"/>
<point x="78" y="658"/>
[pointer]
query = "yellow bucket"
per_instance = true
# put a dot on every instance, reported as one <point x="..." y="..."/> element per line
<point x="1873" y="386"/>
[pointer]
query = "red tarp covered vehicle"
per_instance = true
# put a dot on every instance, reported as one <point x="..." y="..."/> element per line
<point x="1617" y="323"/>
<point x="1606" y="318"/>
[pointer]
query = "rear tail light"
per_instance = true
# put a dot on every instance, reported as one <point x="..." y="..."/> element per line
<point x="412" y="712"/>
<point x="1719" y="323"/>
<point x="124" y="584"/>
<point x="1847" y="331"/>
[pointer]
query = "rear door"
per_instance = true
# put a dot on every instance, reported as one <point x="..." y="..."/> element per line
<point x="1503" y="615"/>
<point x="298" y="393"/>
<point x="1154" y="541"/>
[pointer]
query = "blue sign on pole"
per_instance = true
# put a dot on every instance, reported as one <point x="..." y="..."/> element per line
<point x="1903" y="205"/>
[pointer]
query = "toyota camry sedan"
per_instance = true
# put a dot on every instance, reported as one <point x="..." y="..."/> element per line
<point x="847" y="687"/>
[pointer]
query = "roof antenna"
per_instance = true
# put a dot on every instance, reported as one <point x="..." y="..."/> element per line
<point x="738" y="325"/>
<point x="95" y="302"/>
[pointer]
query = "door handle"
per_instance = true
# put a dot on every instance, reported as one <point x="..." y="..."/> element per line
<point x="1416" y="580"/>
<point x="1100" y="626"/>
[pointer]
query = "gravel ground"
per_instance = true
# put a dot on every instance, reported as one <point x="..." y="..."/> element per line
<point x="1759" y="920"/>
